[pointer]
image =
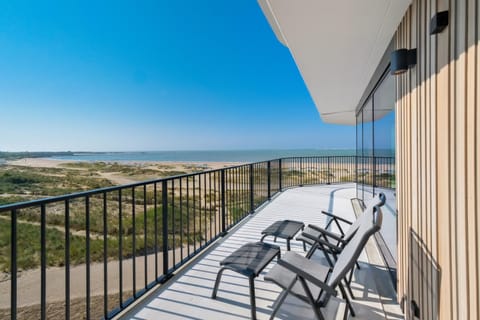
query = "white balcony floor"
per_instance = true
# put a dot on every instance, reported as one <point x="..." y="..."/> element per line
<point x="187" y="295"/>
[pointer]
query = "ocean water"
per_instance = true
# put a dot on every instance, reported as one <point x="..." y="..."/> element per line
<point x="202" y="156"/>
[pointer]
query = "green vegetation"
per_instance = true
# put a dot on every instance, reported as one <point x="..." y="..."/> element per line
<point x="21" y="183"/>
<point x="31" y="183"/>
<point x="28" y="237"/>
<point x="21" y="155"/>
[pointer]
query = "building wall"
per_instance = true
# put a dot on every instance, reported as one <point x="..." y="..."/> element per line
<point x="438" y="163"/>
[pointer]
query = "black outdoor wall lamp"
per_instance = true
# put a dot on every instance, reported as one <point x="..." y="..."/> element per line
<point x="439" y="22"/>
<point x="401" y="60"/>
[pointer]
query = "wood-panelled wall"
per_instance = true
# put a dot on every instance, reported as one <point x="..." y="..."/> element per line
<point x="438" y="163"/>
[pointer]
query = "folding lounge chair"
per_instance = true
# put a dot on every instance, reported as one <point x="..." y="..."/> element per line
<point x="315" y="283"/>
<point x="334" y="242"/>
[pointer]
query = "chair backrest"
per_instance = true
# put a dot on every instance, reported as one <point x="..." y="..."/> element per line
<point x="377" y="201"/>
<point x="354" y="247"/>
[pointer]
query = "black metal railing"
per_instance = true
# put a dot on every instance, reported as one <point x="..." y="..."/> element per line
<point x="124" y="240"/>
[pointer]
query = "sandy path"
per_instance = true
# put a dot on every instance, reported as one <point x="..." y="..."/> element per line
<point x="28" y="282"/>
<point x="114" y="178"/>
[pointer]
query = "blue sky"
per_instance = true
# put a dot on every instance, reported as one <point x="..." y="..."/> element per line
<point x="151" y="75"/>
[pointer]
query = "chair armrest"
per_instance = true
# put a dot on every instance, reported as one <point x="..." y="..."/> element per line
<point x="322" y="243"/>
<point x="300" y="272"/>
<point x="335" y="217"/>
<point x="327" y="233"/>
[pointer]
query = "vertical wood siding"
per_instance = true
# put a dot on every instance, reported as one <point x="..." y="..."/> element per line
<point x="438" y="163"/>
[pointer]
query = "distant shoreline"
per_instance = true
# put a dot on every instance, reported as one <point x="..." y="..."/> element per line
<point x="236" y="156"/>
<point x="55" y="163"/>
<point x="203" y="156"/>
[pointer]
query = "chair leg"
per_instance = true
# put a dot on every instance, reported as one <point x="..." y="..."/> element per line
<point x="217" y="283"/>
<point x="318" y="313"/>
<point x="330" y="262"/>
<point x="349" y="282"/>
<point x="253" y="307"/>
<point x="281" y="298"/>
<point x="310" y="251"/>
<point x="349" y="289"/>
<point x="349" y="304"/>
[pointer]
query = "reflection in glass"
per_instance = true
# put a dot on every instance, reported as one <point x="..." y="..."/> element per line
<point x="375" y="154"/>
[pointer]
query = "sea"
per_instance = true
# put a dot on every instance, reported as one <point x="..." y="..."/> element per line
<point x="206" y="156"/>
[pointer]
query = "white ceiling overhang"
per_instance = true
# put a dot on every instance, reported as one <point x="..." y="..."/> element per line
<point x="337" y="45"/>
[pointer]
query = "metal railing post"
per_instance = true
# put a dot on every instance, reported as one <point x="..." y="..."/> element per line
<point x="356" y="169"/>
<point x="301" y="172"/>
<point x="251" y="188"/>
<point x="165" y="226"/>
<point x="13" y="265"/>
<point x="43" y="264"/>
<point x="87" y="257"/>
<point x="222" y="191"/>
<point x="269" y="182"/>
<point x="328" y="170"/>
<point x="279" y="175"/>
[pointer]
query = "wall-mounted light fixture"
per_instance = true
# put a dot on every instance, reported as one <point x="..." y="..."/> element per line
<point x="438" y="22"/>
<point x="401" y="60"/>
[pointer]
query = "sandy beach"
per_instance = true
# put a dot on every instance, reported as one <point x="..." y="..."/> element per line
<point x="54" y="163"/>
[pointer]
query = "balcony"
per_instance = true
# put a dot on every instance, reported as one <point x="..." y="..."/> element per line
<point x="160" y="242"/>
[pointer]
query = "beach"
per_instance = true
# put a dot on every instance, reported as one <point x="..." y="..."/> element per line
<point x="149" y="169"/>
<point x="56" y="163"/>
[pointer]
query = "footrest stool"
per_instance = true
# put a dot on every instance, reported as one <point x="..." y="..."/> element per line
<point x="249" y="260"/>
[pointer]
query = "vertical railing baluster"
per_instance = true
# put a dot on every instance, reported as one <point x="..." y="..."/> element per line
<point x="173" y="223"/>
<point x="155" y="226"/>
<point x="246" y="192"/>
<point x="210" y="202"/>
<point x="43" y="262"/>
<point x="165" y="226"/>
<point x="302" y="176"/>
<point x="215" y="194"/>
<point x="205" y="207"/>
<point x="269" y="180"/>
<point x="181" y="221"/>
<point x="279" y="175"/>
<point x="13" y="265"/>
<point x="67" y="259"/>
<point x="194" y="215"/>
<point x="105" y="259"/>
<point x="238" y="193"/>
<point x="188" y="216"/>
<point x="328" y="171"/>
<point x="87" y="251"/>
<point x="251" y="189"/>
<point x="145" y="255"/>
<point x="120" y="248"/>
<point x="134" y="246"/>
<point x="222" y="195"/>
